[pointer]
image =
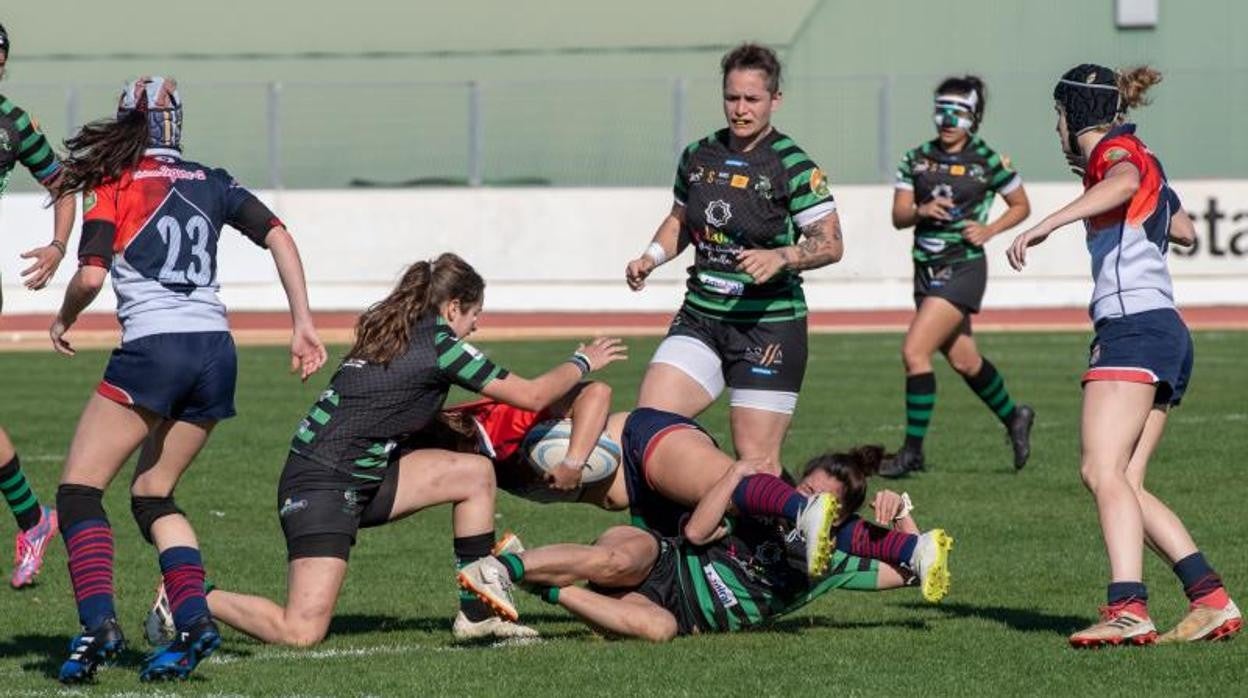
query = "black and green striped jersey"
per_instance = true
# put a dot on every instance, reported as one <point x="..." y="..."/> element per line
<point x="754" y="575"/>
<point x="21" y="141"/>
<point x="736" y="201"/>
<point x="370" y="409"/>
<point x="971" y="177"/>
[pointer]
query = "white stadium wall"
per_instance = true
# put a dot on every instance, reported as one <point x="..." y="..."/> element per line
<point x="565" y="249"/>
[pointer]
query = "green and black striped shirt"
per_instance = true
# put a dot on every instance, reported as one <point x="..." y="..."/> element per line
<point x="737" y="201"/>
<point x="21" y="141"/>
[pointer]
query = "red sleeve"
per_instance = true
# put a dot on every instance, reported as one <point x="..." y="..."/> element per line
<point x="1117" y="151"/>
<point x="99" y="226"/>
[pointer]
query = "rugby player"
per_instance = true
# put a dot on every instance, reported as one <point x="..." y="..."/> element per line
<point x="944" y="190"/>
<point x="1141" y="356"/>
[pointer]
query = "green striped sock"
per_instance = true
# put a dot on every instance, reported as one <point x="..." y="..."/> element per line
<point x="514" y="565"/>
<point x="920" y="401"/>
<point x="19" y="496"/>
<point x="990" y="387"/>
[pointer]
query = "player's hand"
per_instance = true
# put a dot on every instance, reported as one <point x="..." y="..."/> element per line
<point x="761" y="265"/>
<point x="1017" y="254"/>
<point x="40" y="272"/>
<point x="603" y="351"/>
<point x="637" y="271"/>
<point x="565" y="477"/>
<point x="887" y="505"/>
<point x="976" y="234"/>
<point x="57" y="333"/>
<point x="307" y="353"/>
<point x="936" y="209"/>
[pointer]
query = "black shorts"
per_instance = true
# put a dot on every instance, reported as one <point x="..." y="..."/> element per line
<point x="662" y="585"/>
<point x="960" y="283"/>
<point x="643" y="430"/>
<point x="754" y="356"/>
<point x="322" y="508"/>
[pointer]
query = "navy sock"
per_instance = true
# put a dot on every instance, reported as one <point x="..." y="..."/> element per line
<point x="767" y="496"/>
<point x="867" y="540"/>
<point x="1120" y="592"/>
<point x="183" y="571"/>
<point x="1198" y="578"/>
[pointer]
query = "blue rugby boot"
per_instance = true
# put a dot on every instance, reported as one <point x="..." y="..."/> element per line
<point x="91" y="649"/>
<point x="179" y="658"/>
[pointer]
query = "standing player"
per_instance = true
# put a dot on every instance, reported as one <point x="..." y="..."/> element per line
<point x="154" y="219"/>
<point x="945" y="189"/>
<point x="22" y="142"/>
<point x="354" y="461"/>
<point x="743" y="196"/>
<point x="1141" y="357"/>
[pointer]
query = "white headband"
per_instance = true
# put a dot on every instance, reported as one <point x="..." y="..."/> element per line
<point x="967" y="102"/>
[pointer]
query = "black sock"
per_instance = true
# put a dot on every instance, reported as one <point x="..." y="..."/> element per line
<point x="990" y="387"/>
<point x="469" y="549"/>
<point x="920" y="401"/>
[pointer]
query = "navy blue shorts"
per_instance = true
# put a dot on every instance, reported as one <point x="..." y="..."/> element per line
<point x="1151" y="347"/>
<point x="643" y="430"/>
<point x="188" y="377"/>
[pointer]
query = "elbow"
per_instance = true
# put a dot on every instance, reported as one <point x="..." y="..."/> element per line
<point x="835" y="254"/>
<point x="91" y="278"/>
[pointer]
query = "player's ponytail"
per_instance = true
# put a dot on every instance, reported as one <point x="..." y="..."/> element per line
<point x="383" y="331"/>
<point x="102" y="151"/>
<point x="1134" y="84"/>
<point x="851" y="468"/>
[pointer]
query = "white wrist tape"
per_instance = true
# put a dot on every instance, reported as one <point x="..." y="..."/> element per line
<point x="656" y="253"/>
<point x="907" y="506"/>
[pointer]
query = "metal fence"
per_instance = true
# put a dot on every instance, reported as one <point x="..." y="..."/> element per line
<point x="615" y="132"/>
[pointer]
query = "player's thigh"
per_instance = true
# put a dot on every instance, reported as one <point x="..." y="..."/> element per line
<point x="1150" y="437"/>
<point x="107" y="434"/>
<point x="936" y="322"/>
<point x="686" y="373"/>
<point x="759" y="433"/>
<point x="428" y="477"/>
<point x="1114" y="414"/>
<point x="167" y="453"/>
<point x="684" y="465"/>
<point x="629" y="555"/>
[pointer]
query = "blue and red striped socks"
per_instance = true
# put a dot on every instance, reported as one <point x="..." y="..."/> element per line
<point x="183" y="571"/>
<point x="90" y="547"/>
<point x="1200" y="583"/>
<point x="863" y="539"/>
<point x="767" y="496"/>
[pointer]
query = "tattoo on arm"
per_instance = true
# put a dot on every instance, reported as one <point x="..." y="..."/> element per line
<point x="810" y="252"/>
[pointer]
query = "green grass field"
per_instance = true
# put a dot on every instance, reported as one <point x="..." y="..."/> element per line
<point x="1028" y="564"/>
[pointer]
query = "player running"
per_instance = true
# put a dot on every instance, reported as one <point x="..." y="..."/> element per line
<point x="744" y="196"/>
<point x="21" y="141"/>
<point x="355" y="461"/>
<point x="717" y="576"/>
<point x="153" y="220"/>
<point x="1141" y="357"/>
<point x="944" y="190"/>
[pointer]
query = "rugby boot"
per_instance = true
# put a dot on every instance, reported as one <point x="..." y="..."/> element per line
<point x="29" y="547"/>
<point x="493" y="627"/>
<point x="158" y="626"/>
<point x="90" y="650"/>
<point x="487" y="579"/>
<point x="902" y="464"/>
<point x="1121" y="623"/>
<point x="1019" y="434"/>
<point x="930" y="561"/>
<point x="509" y="543"/>
<point x="176" y="660"/>
<point x="1204" y="622"/>
<point x="814" y="526"/>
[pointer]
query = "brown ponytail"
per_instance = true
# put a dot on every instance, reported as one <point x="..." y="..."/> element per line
<point x="102" y="151"/>
<point x="1134" y="84"/>
<point x="851" y="468"/>
<point x="383" y="331"/>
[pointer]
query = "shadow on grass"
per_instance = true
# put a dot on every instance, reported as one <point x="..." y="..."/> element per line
<point x="47" y="652"/>
<point x="798" y="625"/>
<point x="1022" y="619"/>
<point x="360" y="624"/>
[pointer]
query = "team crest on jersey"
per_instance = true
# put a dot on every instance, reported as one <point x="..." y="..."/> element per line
<point x="718" y="213"/>
<point x="696" y="175"/>
<point x="88" y="202"/>
<point x="818" y="183"/>
<point x="1115" y="154"/>
<point x="762" y="187"/>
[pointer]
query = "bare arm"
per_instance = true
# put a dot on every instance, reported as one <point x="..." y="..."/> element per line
<point x="1182" y="230"/>
<point x="905" y="215"/>
<point x="83" y="288"/>
<point x="307" y="353"/>
<point x="48" y="258"/>
<point x="588" y="411"/>
<point x="539" y="393"/>
<point x="1119" y="185"/>
<point x="1019" y="209"/>
<point x="670" y="238"/>
<point x="821" y="245"/>
<point x="706" y="523"/>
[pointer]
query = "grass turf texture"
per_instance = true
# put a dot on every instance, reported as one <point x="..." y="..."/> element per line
<point x="1028" y="566"/>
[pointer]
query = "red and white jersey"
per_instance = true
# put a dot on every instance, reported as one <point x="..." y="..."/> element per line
<point x="1129" y="244"/>
<point x="501" y="426"/>
<point x="157" y="228"/>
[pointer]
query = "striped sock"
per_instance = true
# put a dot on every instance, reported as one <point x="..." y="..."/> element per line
<point x="767" y="496"/>
<point x="990" y="387"/>
<point x="469" y="549"/>
<point x="19" y="496"/>
<point x="514" y="565"/>
<point x="863" y="539"/>
<point x="183" y="572"/>
<point x="1200" y="583"/>
<point x="920" y="401"/>
<point x="90" y="547"/>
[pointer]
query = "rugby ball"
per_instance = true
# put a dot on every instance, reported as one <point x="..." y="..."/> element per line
<point x="546" y="445"/>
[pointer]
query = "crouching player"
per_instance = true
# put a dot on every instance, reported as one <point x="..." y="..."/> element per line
<point x="719" y="575"/>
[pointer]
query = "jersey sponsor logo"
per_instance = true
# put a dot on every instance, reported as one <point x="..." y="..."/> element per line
<point x="736" y="163"/>
<point x="818" y="183"/>
<point x="930" y="244"/>
<point x="770" y="355"/>
<point x="718" y="213"/>
<point x="726" y="598"/>
<point x="292" y="506"/>
<point x="727" y="287"/>
<point x="354" y="363"/>
<point x="739" y="182"/>
<point x="171" y="173"/>
<point x="472" y="351"/>
<point x="715" y="236"/>
<point x="957" y="170"/>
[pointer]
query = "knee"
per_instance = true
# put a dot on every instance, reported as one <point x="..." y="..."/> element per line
<point x="598" y="391"/>
<point x="479" y="471"/>
<point x="304" y="636"/>
<point x="915" y="357"/>
<point x="147" y="510"/>
<point x="657" y="629"/>
<point x="614" y="569"/>
<point x="78" y="503"/>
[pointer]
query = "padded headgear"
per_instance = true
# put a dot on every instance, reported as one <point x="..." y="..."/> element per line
<point x="4" y="40"/>
<point x="1089" y="97"/>
<point x="157" y="98"/>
